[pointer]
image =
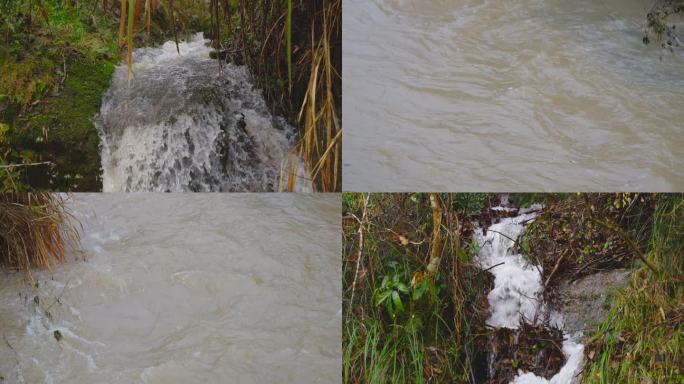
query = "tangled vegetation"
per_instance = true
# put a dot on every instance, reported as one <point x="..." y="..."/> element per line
<point x="294" y="49"/>
<point x="577" y="235"/>
<point x="415" y="297"/>
<point x="413" y="304"/>
<point x="58" y="56"/>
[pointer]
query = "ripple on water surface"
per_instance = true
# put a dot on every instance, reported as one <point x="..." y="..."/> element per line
<point x="178" y="289"/>
<point x="508" y="95"/>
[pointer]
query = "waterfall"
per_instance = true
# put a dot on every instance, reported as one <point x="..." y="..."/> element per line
<point x="183" y="124"/>
<point x="518" y="290"/>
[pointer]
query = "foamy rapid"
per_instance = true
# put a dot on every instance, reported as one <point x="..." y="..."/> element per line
<point x="518" y="288"/>
<point x="183" y="124"/>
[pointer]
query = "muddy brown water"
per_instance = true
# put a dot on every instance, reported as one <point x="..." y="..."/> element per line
<point x="517" y="95"/>
<point x="184" y="289"/>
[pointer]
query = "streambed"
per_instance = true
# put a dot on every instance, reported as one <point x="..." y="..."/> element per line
<point x="179" y="289"/>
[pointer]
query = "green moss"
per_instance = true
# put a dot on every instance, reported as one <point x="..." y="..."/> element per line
<point x="61" y="130"/>
<point x="52" y="77"/>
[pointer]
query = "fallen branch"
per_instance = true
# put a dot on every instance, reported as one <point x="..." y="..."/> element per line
<point x="492" y="267"/>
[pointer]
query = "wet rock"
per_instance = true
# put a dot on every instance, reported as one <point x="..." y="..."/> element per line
<point x="585" y="302"/>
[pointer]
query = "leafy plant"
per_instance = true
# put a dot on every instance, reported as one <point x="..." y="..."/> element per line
<point x="389" y="294"/>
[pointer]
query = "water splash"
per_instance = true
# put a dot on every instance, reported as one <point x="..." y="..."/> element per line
<point x="518" y="288"/>
<point x="183" y="125"/>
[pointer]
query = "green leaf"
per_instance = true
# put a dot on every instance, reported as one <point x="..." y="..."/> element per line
<point x="396" y="299"/>
<point x="402" y="287"/>
<point x="463" y="256"/>
<point x="383" y="296"/>
<point x="419" y="291"/>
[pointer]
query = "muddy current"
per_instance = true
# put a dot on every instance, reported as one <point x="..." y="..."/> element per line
<point x="509" y="95"/>
<point x="180" y="289"/>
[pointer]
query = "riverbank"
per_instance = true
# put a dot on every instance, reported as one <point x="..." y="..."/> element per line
<point x="511" y="287"/>
<point x="55" y="64"/>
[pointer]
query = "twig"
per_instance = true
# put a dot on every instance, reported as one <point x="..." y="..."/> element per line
<point x="436" y="242"/>
<point x="25" y="164"/>
<point x="506" y="236"/>
<point x="359" y="254"/>
<point x="9" y="345"/>
<point x="546" y="283"/>
<point x="492" y="267"/>
<point x="58" y="297"/>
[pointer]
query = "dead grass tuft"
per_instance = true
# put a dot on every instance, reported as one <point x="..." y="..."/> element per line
<point x="35" y="229"/>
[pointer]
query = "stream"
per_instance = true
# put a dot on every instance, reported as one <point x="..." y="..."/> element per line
<point x="517" y="291"/>
<point x="523" y="95"/>
<point x="173" y="288"/>
<point x="183" y="124"/>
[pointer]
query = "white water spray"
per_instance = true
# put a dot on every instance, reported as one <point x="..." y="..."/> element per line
<point x="183" y="125"/>
<point x="518" y="288"/>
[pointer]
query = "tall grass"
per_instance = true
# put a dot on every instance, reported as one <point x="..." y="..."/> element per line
<point x="35" y="230"/>
<point x="642" y="340"/>
<point x="293" y="48"/>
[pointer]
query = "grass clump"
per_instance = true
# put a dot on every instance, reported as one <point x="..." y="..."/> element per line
<point x="35" y="229"/>
<point x="643" y="337"/>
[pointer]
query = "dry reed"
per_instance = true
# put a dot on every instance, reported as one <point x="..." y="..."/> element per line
<point x="35" y="229"/>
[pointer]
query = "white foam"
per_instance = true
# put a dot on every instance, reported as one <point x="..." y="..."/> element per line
<point x="517" y="291"/>
<point x="573" y="352"/>
<point x="182" y="125"/>
<point x="517" y="284"/>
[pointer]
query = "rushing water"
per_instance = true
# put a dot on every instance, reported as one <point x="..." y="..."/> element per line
<point x="184" y="125"/>
<point x="184" y="289"/>
<point x="509" y="95"/>
<point x="517" y="292"/>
